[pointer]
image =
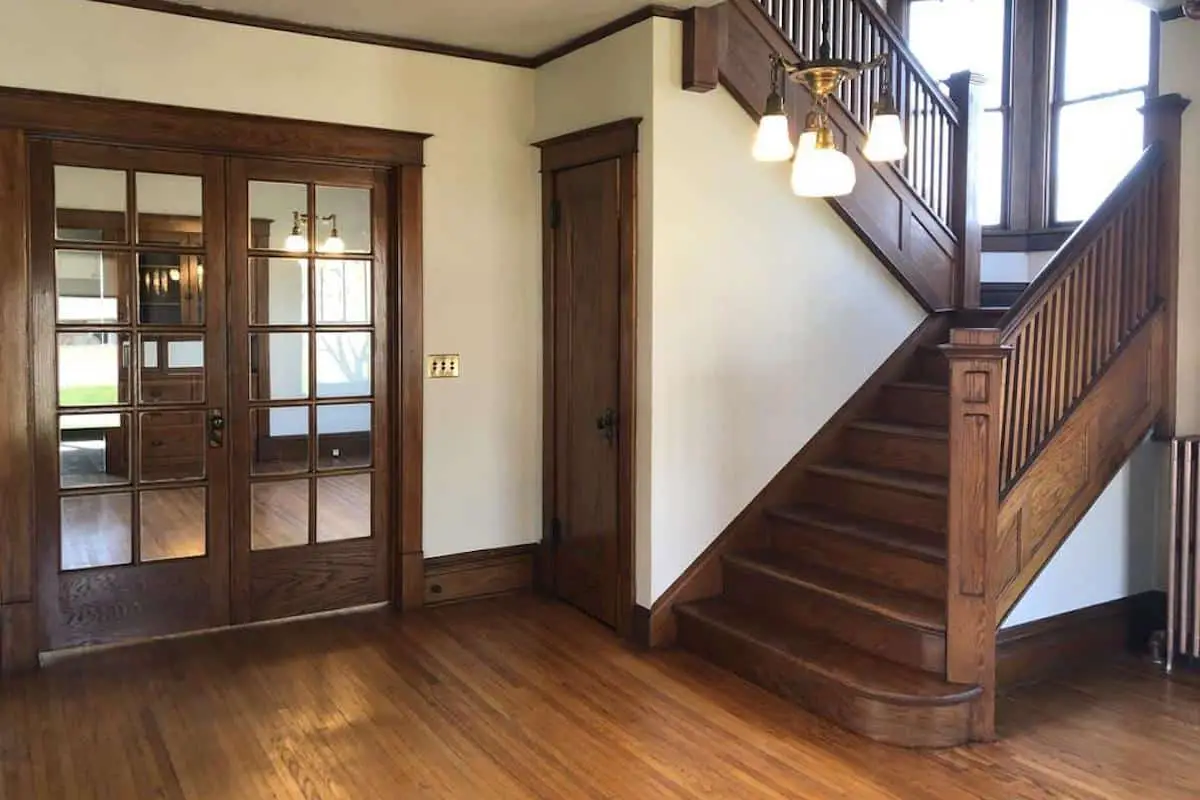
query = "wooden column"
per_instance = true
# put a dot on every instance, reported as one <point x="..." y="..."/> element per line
<point x="964" y="177"/>
<point x="976" y="416"/>
<point x="18" y="618"/>
<point x="703" y="46"/>
<point x="1164" y="124"/>
<point x="409" y="577"/>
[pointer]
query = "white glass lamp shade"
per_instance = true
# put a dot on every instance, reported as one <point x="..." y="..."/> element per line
<point x="885" y="142"/>
<point x="773" y="141"/>
<point x="295" y="242"/>
<point x="822" y="171"/>
<point x="334" y="244"/>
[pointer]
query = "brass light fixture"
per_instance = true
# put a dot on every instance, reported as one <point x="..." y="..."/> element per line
<point x="819" y="168"/>
<point x="297" y="241"/>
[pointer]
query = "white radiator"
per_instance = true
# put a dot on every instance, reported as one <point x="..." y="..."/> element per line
<point x="1183" y="569"/>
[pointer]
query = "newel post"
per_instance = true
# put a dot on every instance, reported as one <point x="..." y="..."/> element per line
<point x="1164" y="124"/>
<point x="977" y="361"/>
<point x="965" y="92"/>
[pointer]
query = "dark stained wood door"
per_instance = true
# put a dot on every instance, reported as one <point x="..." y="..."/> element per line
<point x="127" y="257"/>
<point x="309" y="387"/>
<point x="586" y="374"/>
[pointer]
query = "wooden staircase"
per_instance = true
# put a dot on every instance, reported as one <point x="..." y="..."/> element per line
<point x="867" y="580"/>
<point x="843" y="607"/>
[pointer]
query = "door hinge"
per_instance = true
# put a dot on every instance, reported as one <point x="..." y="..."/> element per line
<point x="555" y="214"/>
<point x="555" y="532"/>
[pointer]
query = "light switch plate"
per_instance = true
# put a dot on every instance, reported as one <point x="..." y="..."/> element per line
<point x="442" y="366"/>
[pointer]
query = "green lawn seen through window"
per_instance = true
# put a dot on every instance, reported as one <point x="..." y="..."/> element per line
<point x="87" y="395"/>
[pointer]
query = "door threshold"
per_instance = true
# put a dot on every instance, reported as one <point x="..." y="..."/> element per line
<point x="49" y="657"/>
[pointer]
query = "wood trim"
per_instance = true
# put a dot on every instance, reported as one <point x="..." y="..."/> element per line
<point x="408" y="200"/>
<point x="704" y="38"/>
<point x="403" y="42"/>
<point x="483" y="573"/>
<point x="68" y="116"/>
<point x="604" y="31"/>
<point x="617" y="140"/>
<point x="18" y="630"/>
<point x="1005" y="241"/>
<point x="1060" y="644"/>
<point x="749" y="530"/>
<point x="322" y="31"/>
<point x="610" y="140"/>
<point x="976" y="359"/>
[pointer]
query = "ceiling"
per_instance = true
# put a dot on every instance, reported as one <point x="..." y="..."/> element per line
<point x="521" y="28"/>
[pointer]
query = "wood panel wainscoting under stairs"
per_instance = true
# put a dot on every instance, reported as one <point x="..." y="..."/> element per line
<point x="868" y="579"/>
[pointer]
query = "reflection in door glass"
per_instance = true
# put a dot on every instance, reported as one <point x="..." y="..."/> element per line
<point x="278" y="366"/>
<point x="343" y="292"/>
<point x="91" y="287"/>
<point x="344" y="364"/>
<point x="173" y="523"/>
<point x="93" y="369"/>
<point x="346" y="211"/>
<point x="170" y="209"/>
<point x="278" y="291"/>
<point x="343" y="507"/>
<point x="93" y="450"/>
<point x="96" y="531"/>
<point x="278" y="514"/>
<point x="279" y="440"/>
<point x="90" y="204"/>
<point x="344" y="436"/>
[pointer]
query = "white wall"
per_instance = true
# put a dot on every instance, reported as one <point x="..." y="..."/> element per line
<point x="1114" y="551"/>
<point x="1012" y="267"/>
<point x="768" y="314"/>
<point x="482" y="262"/>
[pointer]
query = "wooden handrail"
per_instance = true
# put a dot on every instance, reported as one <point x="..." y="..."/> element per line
<point x="1080" y="239"/>
<point x="860" y="30"/>
<point x="1077" y="316"/>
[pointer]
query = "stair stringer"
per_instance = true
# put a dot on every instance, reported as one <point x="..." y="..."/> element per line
<point x="1041" y="510"/>
<point x="751" y="528"/>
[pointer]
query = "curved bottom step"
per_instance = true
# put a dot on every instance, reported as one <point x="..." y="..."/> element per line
<point x="879" y="699"/>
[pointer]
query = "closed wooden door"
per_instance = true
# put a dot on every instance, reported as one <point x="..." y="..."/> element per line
<point x="130" y="389"/>
<point x="587" y="428"/>
<point x="309" y="387"/>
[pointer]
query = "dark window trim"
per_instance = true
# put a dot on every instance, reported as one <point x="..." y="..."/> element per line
<point x="1003" y="240"/>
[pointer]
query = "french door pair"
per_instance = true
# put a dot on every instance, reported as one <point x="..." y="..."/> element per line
<point x="211" y="389"/>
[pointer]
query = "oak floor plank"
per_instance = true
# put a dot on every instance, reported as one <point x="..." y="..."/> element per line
<point x="523" y="698"/>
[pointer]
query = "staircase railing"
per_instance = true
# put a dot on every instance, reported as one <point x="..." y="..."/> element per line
<point x="860" y="30"/>
<point x="918" y="215"/>
<point x="1074" y="319"/>
<point x="1046" y="406"/>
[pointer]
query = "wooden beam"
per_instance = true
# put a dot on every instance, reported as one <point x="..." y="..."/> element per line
<point x="966" y="92"/>
<point x="703" y="47"/>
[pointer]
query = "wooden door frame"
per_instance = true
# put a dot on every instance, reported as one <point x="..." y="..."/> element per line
<point x="27" y="116"/>
<point x="615" y="140"/>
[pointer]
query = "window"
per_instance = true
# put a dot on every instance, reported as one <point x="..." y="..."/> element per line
<point x="950" y="36"/>
<point x="1102" y="78"/>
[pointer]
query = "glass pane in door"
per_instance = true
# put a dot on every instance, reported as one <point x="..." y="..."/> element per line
<point x="174" y="523"/>
<point x="96" y="530"/>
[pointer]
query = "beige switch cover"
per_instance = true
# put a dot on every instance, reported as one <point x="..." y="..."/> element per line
<point x="442" y="366"/>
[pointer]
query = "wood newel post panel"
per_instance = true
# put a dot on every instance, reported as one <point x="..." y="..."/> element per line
<point x="964" y="219"/>
<point x="1164" y="124"/>
<point x="977" y="361"/>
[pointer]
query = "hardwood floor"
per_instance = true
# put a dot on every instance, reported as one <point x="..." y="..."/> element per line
<point x="520" y="697"/>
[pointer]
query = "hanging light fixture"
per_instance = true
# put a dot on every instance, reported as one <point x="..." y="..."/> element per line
<point x="820" y="169"/>
<point x="297" y="241"/>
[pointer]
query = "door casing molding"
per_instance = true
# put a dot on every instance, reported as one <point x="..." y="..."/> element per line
<point x="614" y="140"/>
<point x="29" y="116"/>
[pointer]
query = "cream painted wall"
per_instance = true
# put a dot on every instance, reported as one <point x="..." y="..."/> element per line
<point x="482" y="262"/>
<point x="768" y="314"/>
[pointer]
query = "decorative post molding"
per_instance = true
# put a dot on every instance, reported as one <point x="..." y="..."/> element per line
<point x="977" y="360"/>
<point x="964" y="177"/>
<point x="1164" y="124"/>
<point x="704" y="34"/>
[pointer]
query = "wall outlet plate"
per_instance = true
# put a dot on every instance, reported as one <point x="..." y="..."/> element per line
<point x="442" y="366"/>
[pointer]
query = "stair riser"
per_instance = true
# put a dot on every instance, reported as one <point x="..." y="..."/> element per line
<point x="914" y="407"/>
<point x="832" y="550"/>
<point x="928" y="366"/>
<point x="803" y="607"/>
<point x="878" y="502"/>
<point x="866" y="448"/>
<point x="889" y="722"/>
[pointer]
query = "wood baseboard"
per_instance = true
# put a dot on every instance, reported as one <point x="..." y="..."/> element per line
<point x="483" y="573"/>
<point x="1048" y="647"/>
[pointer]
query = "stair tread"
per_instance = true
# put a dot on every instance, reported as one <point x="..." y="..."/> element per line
<point x="890" y="478"/>
<point x="921" y="386"/>
<point x="831" y="659"/>
<point x="902" y="429"/>
<point x="906" y="607"/>
<point x="929" y="545"/>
